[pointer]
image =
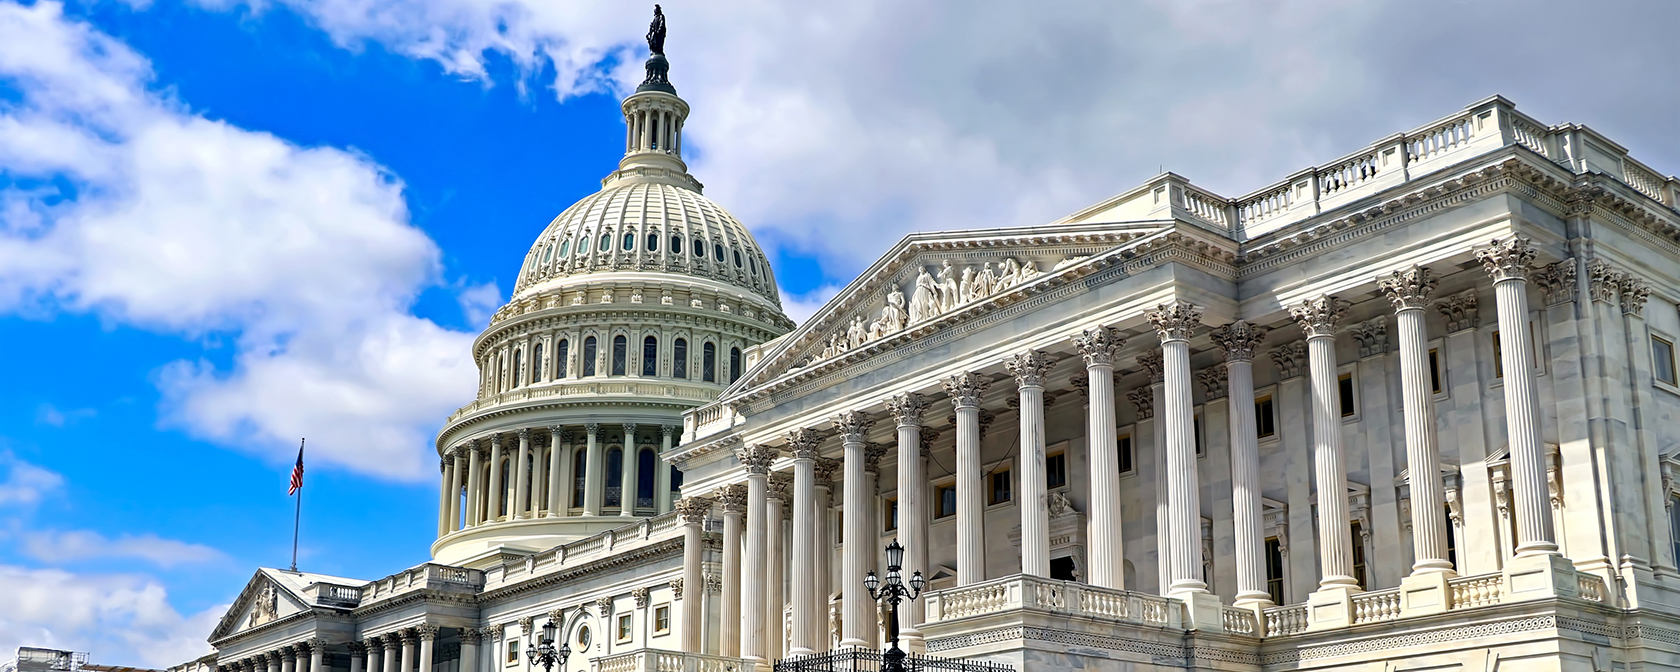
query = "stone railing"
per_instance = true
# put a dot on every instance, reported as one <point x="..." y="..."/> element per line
<point x="1591" y="586"/>
<point x="1285" y="620"/>
<point x="334" y="595"/>
<point x="1376" y="606"/>
<point x="429" y="576"/>
<point x="603" y="386"/>
<point x="1062" y="597"/>
<point x="656" y="660"/>
<point x="1646" y="181"/>
<point x="1475" y="591"/>
<point x="1238" y="621"/>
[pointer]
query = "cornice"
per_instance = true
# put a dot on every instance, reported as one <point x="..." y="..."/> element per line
<point x="611" y="404"/>
<point x="423" y="595"/>
<point x="669" y="547"/>
<point x="727" y="442"/>
<point x="639" y="315"/>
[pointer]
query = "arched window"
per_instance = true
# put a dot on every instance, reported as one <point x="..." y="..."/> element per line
<point x="615" y="478"/>
<point x="629" y="242"/>
<point x="676" y="244"/>
<point x="536" y="363"/>
<point x="589" y="356"/>
<point x="645" y="465"/>
<point x="708" y="363"/>
<point x="565" y="246"/>
<point x="653" y="242"/>
<point x="737" y="258"/>
<point x="560" y="353"/>
<point x="752" y="263"/>
<point x="583" y="246"/>
<point x="606" y="243"/>
<point x="548" y="253"/>
<point x="734" y="364"/>
<point x="717" y="251"/>
<point x="580" y="460"/>
<point x="620" y="345"/>
<point x="650" y="356"/>
<point x="679" y="358"/>
<point x="699" y="247"/>
<point x="518" y="367"/>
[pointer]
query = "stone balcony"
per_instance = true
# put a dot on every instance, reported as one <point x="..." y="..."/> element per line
<point x="659" y="660"/>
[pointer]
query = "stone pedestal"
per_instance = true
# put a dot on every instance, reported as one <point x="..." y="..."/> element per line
<point x="1424" y="593"/>
<point x="1202" y="611"/>
<point x="1330" y="607"/>
<point x="1540" y="576"/>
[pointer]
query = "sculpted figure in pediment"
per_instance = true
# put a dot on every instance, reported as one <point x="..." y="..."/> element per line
<point x="966" y="289"/>
<point x="857" y="333"/>
<point x="986" y="282"/>
<point x="924" y="303"/>
<point x="949" y="297"/>
<point x="892" y="315"/>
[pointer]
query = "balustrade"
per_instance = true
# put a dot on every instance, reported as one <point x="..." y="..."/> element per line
<point x="1237" y="620"/>
<point x="1285" y="620"/>
<point x="656" y="660"/>
<point x="1475" y="591"/>
<point x="1591" y="586"/>
<point x="1439" y="140"/>
<point x="1376" y="606"/>
<point x="1068" y="597"/>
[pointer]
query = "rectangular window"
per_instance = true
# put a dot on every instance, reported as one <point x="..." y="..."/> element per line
<point x="1662" y="360"/>
<point x="1435" y="370"/>
<point x="513" y="652"/>
<point x="1498" y="358"/>
<point x="662" y="619"/>
<point x="1000" y="488"/>
<point x="1674" y="523"/>
<point x="1265" y="423"/>
<point x="1196" y="431"/>
<point x="892" y="514"/>
<point x="944" y="501"/>
<point x="1274" y="569"/>
<point x="624" y="627"/>
<point x="1452" y="540"/>
<point x="839" y="527"/>
<point x="1125" y="447"/>
<point x="1344" y="385"/>
<point x="1358" y="556"/>
<point x="1055" y="471"/>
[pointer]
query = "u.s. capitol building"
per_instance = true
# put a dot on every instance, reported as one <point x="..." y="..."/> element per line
<point x="1414" y="409"/>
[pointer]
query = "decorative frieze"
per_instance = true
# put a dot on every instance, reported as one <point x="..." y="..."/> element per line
<point x="677" y="588"/>
<point x="927" y="437"/>
<point x="640" y="595"/>
<point x="872" y="454"/>
<point x="1459" y="310"/>
<point x="1634" y="294"/>
<point x="605" y="605"/>
<point x="803" y="443"/>
<point x="1239" y="340"/>
<point x="732" y="498"/>
<point x="780" y="487"/>
<point x="694" y="510"/>
<point x="826" y="468"/>
<point x="1602" y="281"/>
<point x="1290" y="359"/>
<point x="1372" y="337"/>
<point x="525" y="624"/>
<point x="852" y="425"/>
<point x="757" y="458"/>
<point x="1213" y="382"/>
<point x="1151" y="364"/>
<point x="1081" y="384"/>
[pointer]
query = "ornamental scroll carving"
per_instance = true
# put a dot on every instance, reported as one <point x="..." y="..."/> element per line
<point x="1372" y="337"/>
<point x="1213" y="382"/>
<point x="1556" y="282"/>
<point x="1143" y="399"/>
<point x="1459" y="310"/>
<point x="1290" y="359"/>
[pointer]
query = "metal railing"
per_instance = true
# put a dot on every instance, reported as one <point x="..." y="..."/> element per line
<point x="868" y="660"/>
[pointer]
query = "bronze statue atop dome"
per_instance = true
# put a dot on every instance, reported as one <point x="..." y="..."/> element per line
<point x="658" y="69"/>
<point x="656" y="32"/>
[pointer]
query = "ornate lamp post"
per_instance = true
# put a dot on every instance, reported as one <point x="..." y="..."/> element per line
<point x="893" y="591"/>
<point x="542" y="651"/>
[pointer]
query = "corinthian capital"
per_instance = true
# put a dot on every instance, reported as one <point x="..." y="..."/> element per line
<point x="851" y="425"/>
<point x="1508" y="259"/>
<point x="1409" y="289"/>
<point x="758" y="458"/>
<point x="966" y="388"/>
<point x="1029" y="368"/>
<point x="694" y="510"/>
<point x="1318" y="317"/>
<point x="1634" y="294"/>
<point x="1175" y="319"/>
<point x="825" y="470"/>
<point x="803" y="443"/>
<point x="907" y="409"/>
<point x="1099" y="345"/>
<point x="733" y="498"/>
<point x="1152" y="364"/>
<point x="1239" y="340"/>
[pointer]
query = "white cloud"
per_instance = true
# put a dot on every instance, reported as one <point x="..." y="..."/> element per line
<point x="48" y="414"/>
<point x="174" y="222"/>
<point x="69" y="546"/>
<point x="834" y="129"/>
<point x="479" y="302"/>
<point x="118" y="617"/>
<point x="801" y="306"/>
<point x="22" y="483"/>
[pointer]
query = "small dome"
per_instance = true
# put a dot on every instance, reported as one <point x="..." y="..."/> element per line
<point x="646" y="226"/>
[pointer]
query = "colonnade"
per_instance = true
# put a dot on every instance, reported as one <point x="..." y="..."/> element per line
<point x="305" y="656"/>
<point x="747" y="632"/>
<point x="542" y="479"/>
<point x="396" y="651"/>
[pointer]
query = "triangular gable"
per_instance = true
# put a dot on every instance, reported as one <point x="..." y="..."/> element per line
<point x="927" y="278"/>
<point x="271" y="595"/>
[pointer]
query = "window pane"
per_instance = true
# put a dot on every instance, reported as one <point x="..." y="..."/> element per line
<point x="1000" y="487"/>
<point x="708" y="363"/>
<point x="537" y="364"/>
<point x="1274" y="569"/>
<point x="679" y="358"/>
<point x="1125" y="454"/>
<point x="1435" y="370"/>
<point x="676" y="244"/>
<point x="734" y="364"/>
<point x="620" y="345"/>
<point x="650" y="356"/>
<point x="629" y="242"/>
<point x="717" y="251"/>
<point x="737" y="258"/>
<point x="1345" y="386"/>
<point x="615" y="478"/>
<point x="947" y="500"/>
<point x="1498" y="362"/>
<point x="1662" y="360"/>
<point x="560" y="358"/>
<point x="589" y="356"/>
<point x="1264" y="423"/>
<point x="579" y="462"/>
<point x="653" y="242"/>
<point x="1055" y="471"/>
<point x="1358" y="557"/>
<point x="892" y="515"/>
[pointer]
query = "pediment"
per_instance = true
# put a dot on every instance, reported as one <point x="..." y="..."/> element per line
<point x="264" y="600"/>
<point x="928" y="280"/>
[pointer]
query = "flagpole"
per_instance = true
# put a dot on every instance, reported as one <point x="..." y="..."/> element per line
<point x="297" y="516"/>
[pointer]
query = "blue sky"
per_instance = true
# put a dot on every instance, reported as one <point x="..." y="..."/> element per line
<point x="225" y="225"/>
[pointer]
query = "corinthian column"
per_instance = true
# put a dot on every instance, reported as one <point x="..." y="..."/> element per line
<point x="595" y="471"/>
<point x="1029" y="369"/>
<point x="907" y="411"/>
<point x="1152" y="365"/>
<point x="1507" y="262"/>
<point x="1173" y="322"/>
<point x="428" y="636"/>
<point x="694" y="511"/>
<point x="754" y="649"/>
<point x="498" y="499"/>
<point x="856" y="549"/>
<point x="557" y="464"/>
<point x="823" y="633"/>
<point x="456" y="520"/>
<point x="630" y="461"/>
<point x="522" y="478"/>
<point x="1098" y="346"/>
<point x="1239" y="340"/>
<point x="965" y="390"/>
<point x="775" y="598"/>
<point x="803" y="444"/>
<point x="662" y="472"/>
<point x="444" y="465"/>
<point x="475" y="492"/>
<point x="1409" y="291"/>
<point x="1318" y="318"/>
<point x="733" y="497"/>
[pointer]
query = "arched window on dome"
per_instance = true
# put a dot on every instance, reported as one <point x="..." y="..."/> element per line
<point x="561" y="351"/>
<point x="650" y="356"/>
<point x="615" y="478"/>
<point x="619" y="352"/>
<point x="606" y="243"/>
<point x="679" y="358"/>
<point x="565" y="247"/>
<point x="676" y="244"/>
<point x="536" y="363"/>
<point x="583" y="245"/>
<point x="752" y="264"/>
<point x="646" y="464"/>
<point x="580" y="460"/>
<point x="699" y="247"/>
<point x="708" y="363"/>
<point x="589" y="356"/>
<point x="548" y="253"/>
<point x="653" y="242"/>
<point x="518" y="367"/>
<point x="629" y="242"/>
<point x="717" y="251"/>
<point x="734" y="364"/>
<point x="737" y="259"/>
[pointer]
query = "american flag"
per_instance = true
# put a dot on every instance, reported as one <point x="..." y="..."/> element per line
<point x="297" y="475"/>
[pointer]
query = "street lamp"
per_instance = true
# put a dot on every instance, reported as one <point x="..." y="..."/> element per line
<point x="893" y="591"/>
<point x="542" y="652"/>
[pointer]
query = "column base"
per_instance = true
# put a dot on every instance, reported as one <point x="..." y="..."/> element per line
<point x="755" y="664"/>
<point x="1201" y="610"/>
<point x="911" y="641"/>
<point x="1330" y="607"/>
<point x="1254" y="601"/>
<point x="1425" y="593"/>
<point x="1540" y="576"/>
<point x="800" y="651"/>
